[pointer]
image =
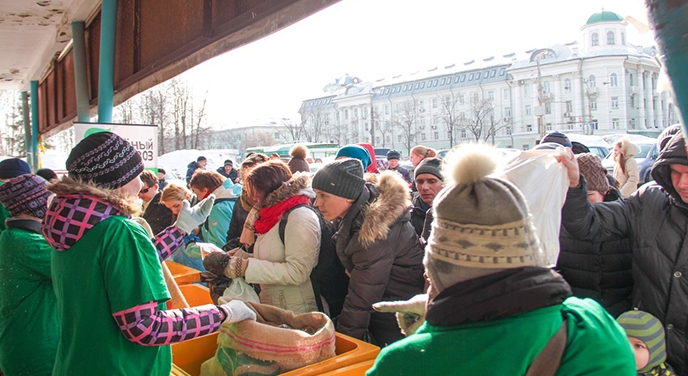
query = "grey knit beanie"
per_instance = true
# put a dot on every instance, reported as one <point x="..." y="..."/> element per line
<point x="343" y="178"/>
<point x="482" y="223"/>
<point x="429" y="166"/>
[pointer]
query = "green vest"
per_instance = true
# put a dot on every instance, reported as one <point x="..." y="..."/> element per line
<point x="112" y="267"/>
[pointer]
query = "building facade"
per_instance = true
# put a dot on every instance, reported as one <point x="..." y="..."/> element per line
<point x="603" y="85"/>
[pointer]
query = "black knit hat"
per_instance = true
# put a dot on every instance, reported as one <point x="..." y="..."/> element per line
<point x="106" y="159"/>
<point x="558" y="138"/>
<point x="429" y="166"/>
<point x="25" y="194"/>
<point x="343" y="178"/>
<point x="393" y="154"/>
<point x="13" y="167"/>
<point x="201" y="159"/>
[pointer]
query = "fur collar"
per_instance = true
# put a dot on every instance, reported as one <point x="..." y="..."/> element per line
<point x="293" y="187"/>
<point x="116" y="197"/>
<point x="393" y="201"/>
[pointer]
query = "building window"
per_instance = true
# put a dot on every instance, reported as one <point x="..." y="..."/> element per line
<point x="434" y="102"/>
<point x="508" y="131"/>
<point x="528" y="110"/>
<point x="548" y="127"/>
<point x="355" y="113"/>
<point x="399" y="138"/>
<point x="623" y="38"/>
<point x="591" y="81"/>
<point x="529" y="127"/>
<point x="593" y="104"/>
<point x="475" y="97"/>
<point x="377" y="139"/>
<point x="461" y="100"/>
<point x="569" y="107"/>
<point x="422" y="136"/>
<point x="422" y="121"/>
<point x="447" y="101"/>
<point x="615" y="123"/>
<point x="525" y="91"/>
<point x="470" y="77"/>
<point x="615" y="102"/>
<point x="505" y="94"/>
<point x="346" y="114"/>
<point x="434" y="83"/>
<point x="463" y="77"/>
<point x="493" y="73"/>
<point x="490" y="95"/>
<point x="456" y="79"/>
<point x="545" y="87"/>
<point x="548" y="108"/>
<point x="610" y="38"/>
<point x="277" y="135"/>
<point x="436" y="135"/>
<point x="397" y="107"/>
<point x="485" y="74"/>
<point x="442" y="82"/>
<point x="463" y="133"/>
<point x="507" y="111"/>
<point x="633" y="102"/>
<point x="594" y="40"/>
<point x="388" y="139"/>
<point x="386" y="110"/>
<point x="567" y="85"/>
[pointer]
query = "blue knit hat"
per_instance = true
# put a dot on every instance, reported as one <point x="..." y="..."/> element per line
<point x="13" y="167"/>
<point x="649" y="329"/>
<point x="356" y="152"/>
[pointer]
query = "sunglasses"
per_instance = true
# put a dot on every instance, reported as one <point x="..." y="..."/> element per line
<point x="145" y="190"/>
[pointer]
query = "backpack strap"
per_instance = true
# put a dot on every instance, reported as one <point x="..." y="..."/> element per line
<point x="283" y="220"/>
<point x="548" y="361"/>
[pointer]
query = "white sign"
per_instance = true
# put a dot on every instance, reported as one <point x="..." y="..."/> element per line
<point x="143" y="138"/>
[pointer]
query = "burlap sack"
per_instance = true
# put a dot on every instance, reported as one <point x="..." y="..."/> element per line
<point x="307" y="339"/>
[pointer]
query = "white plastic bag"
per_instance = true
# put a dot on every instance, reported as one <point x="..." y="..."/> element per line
<point x="544" y="183"/>
<point x="239" y="289"/>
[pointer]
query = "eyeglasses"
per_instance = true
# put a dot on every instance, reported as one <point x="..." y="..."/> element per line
<point x="145" y="190"/>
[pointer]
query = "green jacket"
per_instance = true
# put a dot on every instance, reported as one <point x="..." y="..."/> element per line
<point x="29" y="322"/>
<point x="596" y="345"/>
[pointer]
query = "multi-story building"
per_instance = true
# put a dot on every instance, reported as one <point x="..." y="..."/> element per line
<point x="601" y="86"/>
<point x="242" y="137"/>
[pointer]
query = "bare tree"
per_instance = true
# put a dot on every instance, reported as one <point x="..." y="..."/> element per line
<point x="406" y="122"/>
<point x="481" y="122"/>
<point x="314" y="124"/>
<point x="385" y="128"/>
<point x="257" y="139"/>
<point x="12" y="142"/>
<point x="450" y="116"/>
<point x="296" y="130"/>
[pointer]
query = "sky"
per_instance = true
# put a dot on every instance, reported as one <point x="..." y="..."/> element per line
<point x="372" y="39"/>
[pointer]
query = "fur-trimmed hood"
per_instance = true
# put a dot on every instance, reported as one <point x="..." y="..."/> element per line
<point x="299" y="184"/>
<point x="391" y="199"/>
<point x="627" y="148"/>
<point x="77" y="207"/>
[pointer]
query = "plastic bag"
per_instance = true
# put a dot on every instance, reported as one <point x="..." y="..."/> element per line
<point x="239" y="289"/>
<point x="544" y="183"/>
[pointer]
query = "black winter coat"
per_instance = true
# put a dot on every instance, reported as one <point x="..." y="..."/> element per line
<point x="598" y="270"/>
<point x="380" y="249"/>
<point x="655" y="220"/>
<point x="158" y="216"/>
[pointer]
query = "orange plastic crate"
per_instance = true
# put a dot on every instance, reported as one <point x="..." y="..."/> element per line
<point x="358" y="369"/>
<point x="183" y="274"/>
<point x="351" y="353"/>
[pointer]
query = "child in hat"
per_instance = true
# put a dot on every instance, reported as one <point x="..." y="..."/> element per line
<point x="646" y="335"/>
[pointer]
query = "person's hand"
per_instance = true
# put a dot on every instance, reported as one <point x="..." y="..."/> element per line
<point x="236" y="267"/>
<point x="568" y="159"/>
<point x="216" y="262"/>
<point x="236" y="311"/>
<point x="410" y="313"/>
<point x="191" y="217"/>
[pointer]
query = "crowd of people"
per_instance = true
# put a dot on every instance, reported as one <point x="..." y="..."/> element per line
<point x="442" y="267"/>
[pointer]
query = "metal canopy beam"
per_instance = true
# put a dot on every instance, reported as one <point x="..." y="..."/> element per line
<point x="157" y="40"/>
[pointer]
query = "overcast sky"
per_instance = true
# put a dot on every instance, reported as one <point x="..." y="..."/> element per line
<point x="373" y="39"/>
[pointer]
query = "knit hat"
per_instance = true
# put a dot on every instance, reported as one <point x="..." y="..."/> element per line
<point x="201" y="158"/>
<point x="393" y="154"/>
<point x="13" y="167"/>
<point x="482" y="223"/>
<point x="579" y="148"/>
<point x="649" y="329"/>
<point x="557" y="137"/>
<point x="590" y="166"/>
<point x="228" y="162"/>
<point x="106" y="159"/>
<point x="343" y="178"/>
<point x="357" y="152"/>
<point x="429" y="166"/>
<point x="25" y="194"/>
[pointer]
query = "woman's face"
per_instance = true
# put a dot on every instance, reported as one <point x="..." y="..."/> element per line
<point x="617" y="150"/>
<point x="331" y="206"/>
<point x="415" y="159"/>
<point x="174" y="205"/>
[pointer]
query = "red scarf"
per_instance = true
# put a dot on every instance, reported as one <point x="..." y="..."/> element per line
<point x="270" y="215"/>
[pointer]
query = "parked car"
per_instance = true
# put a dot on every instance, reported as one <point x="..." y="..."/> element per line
<point x="601" y="150"/>
<point x="647" y="155"/>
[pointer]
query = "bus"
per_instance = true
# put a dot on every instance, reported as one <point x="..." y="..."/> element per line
<point x="315" y="150"/>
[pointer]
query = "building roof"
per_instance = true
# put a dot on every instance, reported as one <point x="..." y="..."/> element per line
<point x="604" y="16"/>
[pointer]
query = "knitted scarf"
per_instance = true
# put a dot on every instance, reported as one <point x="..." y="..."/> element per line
<point x="270" y="215"/>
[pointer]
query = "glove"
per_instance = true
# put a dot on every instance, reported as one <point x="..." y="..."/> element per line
<point x="189" y="218"/>
<point x="236" y="311"/>
<point x="236" y="267"/>
<point x="216" y="262"/>
<point x="410" y="313"/>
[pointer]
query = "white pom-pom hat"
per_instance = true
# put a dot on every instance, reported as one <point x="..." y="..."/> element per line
<point x="482" y="224"/>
